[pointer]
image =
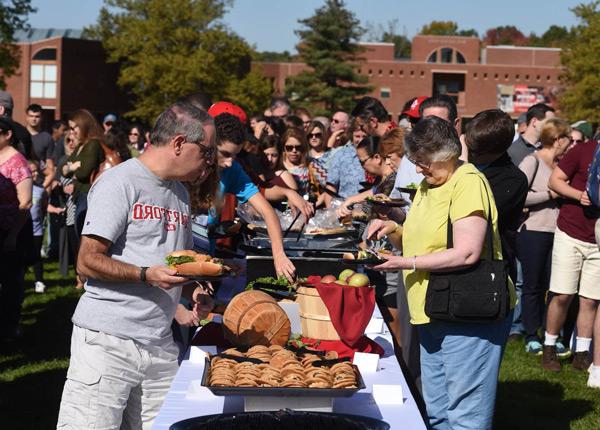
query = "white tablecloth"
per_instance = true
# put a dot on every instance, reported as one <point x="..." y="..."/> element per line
<point x="177" y="407"/>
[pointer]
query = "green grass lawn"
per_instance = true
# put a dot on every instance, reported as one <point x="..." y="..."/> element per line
<point x="32" y="373"/>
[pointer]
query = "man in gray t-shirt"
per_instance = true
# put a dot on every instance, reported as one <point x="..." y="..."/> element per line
<point x="123" y="357"/>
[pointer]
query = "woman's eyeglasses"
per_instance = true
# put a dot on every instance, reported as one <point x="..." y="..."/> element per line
<point x="362" y="162"/>
<point x="291" y="148"/>
<point x="315" y="135"/>
<point x="424" y="166"/>
<point x="134" y="134"/>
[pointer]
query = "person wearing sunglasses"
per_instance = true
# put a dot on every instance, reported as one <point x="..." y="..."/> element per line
<point x="295" y="160"/>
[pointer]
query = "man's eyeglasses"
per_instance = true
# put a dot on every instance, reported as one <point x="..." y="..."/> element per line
<point x="315" y="135"/>
<point x="291" y="148"/>
<point x="424" y="166"/>
<point x="576" y="141"/>
<point x="362" y="162"/>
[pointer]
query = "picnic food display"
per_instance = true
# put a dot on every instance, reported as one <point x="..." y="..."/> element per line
<point x="276" y="366"/>
<point x="254" y="318"/>
<point x="191" y="263"/>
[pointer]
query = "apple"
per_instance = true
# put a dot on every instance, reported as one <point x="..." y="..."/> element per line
<point x="346" y="274"/>
<point x="341" y="282"/>
<point x="358" y="280"/>
<point x="328" y="279"/>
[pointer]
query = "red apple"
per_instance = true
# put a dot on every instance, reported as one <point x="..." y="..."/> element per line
<point x="328" y="279"/>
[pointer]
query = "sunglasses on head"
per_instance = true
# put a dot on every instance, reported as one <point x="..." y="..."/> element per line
<point x="315" y="135"/>
<point x="290" y="148"/>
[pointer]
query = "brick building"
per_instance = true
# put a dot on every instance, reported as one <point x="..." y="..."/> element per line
<point x="63" y="72"/>
<point x="476" y="77"/>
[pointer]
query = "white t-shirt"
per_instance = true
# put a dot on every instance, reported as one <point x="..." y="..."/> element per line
<point x="145" y="218"/>
<point x="406" y="175"/>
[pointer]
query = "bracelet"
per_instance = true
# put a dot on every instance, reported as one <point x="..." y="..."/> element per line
<point x="414" y="263"/>
<point x="143" y="274"/>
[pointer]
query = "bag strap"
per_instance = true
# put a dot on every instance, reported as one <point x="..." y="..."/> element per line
<point x="537" y="165"/>
<point x="489" y="234"/>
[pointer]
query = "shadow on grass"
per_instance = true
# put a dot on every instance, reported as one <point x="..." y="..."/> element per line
<point x="48" y="338"/>
<point x="532" y="405"/>
<point x="32" y="401"/>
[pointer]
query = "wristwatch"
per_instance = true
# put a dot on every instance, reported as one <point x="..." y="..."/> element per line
<point x="143" y="274"/>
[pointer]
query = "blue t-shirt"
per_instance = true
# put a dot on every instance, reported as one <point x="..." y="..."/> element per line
<point x="235" y="180"/>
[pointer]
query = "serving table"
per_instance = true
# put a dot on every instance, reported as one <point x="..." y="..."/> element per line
<point x="179" y="404"/>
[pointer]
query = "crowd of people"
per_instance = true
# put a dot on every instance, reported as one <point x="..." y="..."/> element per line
<point x="104" y="193"/>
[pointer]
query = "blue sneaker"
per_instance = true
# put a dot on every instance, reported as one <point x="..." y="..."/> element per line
<point x="533" y="347"/>
<point x="561" y="350"/>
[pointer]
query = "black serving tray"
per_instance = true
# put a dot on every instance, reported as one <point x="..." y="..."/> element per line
<point x="281" y="391"/>
<point x="283" y="419"/>
<point x="395" y="203"/>
<point x="362" y="261"/>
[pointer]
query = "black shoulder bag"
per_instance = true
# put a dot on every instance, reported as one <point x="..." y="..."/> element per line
<point x="476" y="294"/>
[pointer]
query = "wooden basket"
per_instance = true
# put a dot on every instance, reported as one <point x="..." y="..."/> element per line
<point x="255" y="318"/>
<point x="314" y="316"/>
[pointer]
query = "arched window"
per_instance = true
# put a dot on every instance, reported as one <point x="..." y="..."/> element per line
<point x="446" y="55"/>
<point x="459" y="58"/>
<point x="433" y="57"/>
<point x="46" y="54"/>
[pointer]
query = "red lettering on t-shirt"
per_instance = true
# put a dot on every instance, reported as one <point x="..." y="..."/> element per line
<point x="176" y="216"/>
<point x="156" y="211"/>
<point x="137" y="211"/>
<point x="147" y="211"/>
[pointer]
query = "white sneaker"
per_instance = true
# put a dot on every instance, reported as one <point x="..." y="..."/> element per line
<point x="40" y="287"/>
<point x="594" y="380"/>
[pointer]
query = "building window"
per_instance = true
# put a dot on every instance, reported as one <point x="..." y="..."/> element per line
<point x="422" y="73"/>
<point x="548" y="78"/>
<point x="412" y="73"/>
<point x="433" y="57"/>
<point x="43" y="81"/>
<point x="475" y="75"/>
<point x="506" y="76"/>
<point x="385" y="92"/>
<point x="446" y="55"/>
<point x="46" y="54"/>
<point x="380" y="72"/>
<point x="538" y="77"/>
<point x="485" y="76"/>
<point x="526" y="77"/>
<point x="401" y="73"/>
<point x="459" y="58"/>
<point x="370" y="72"/>
<point x="517" y="76"/>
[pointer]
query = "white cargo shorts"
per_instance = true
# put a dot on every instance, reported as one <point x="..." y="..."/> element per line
<point x="114" y="383"/>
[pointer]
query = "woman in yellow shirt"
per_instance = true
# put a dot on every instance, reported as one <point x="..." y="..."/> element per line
<point x="459" y="361"/>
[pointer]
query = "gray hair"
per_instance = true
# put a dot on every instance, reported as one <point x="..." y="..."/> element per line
<point x="180" y="118"/>
<point x="433" y="139"/>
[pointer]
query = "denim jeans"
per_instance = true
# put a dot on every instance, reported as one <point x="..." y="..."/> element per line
<point x="517" y="323"/>
<point x="459" y="372"/>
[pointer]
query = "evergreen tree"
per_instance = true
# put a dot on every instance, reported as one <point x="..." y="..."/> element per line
<point x="13" y="16"/>
<point x="167" y="49"/>
<point x="328" y="45"/>
<point x="580" y="97"/>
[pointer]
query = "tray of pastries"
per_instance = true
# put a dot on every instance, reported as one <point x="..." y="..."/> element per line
<point x="278" y="371"/>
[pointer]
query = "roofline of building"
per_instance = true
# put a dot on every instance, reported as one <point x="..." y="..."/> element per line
<point x="376" y="43"/>
<point x="445" y="36"/>
<point x="537" y="48"/>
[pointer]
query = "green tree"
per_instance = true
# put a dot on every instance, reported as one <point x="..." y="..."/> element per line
<point x="390" y="34"/>
<point x="13" y="17"/>
<point x="580" y="97"/>
<point x="328" y="45"/>
<point x="555" y="37"/>
<point x="167" y="49"/>
<point x="446" y="28"/>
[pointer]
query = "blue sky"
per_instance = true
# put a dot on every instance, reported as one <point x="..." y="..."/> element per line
<point x="270" y="24"/>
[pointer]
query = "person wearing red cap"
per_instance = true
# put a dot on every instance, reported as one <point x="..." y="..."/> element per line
<point x="410" y="112"/>
<point x="226" y="107"/>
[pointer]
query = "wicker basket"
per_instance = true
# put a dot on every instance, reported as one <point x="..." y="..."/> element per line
<point x="255" y="318"/>
<point x="314" y="316"/>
